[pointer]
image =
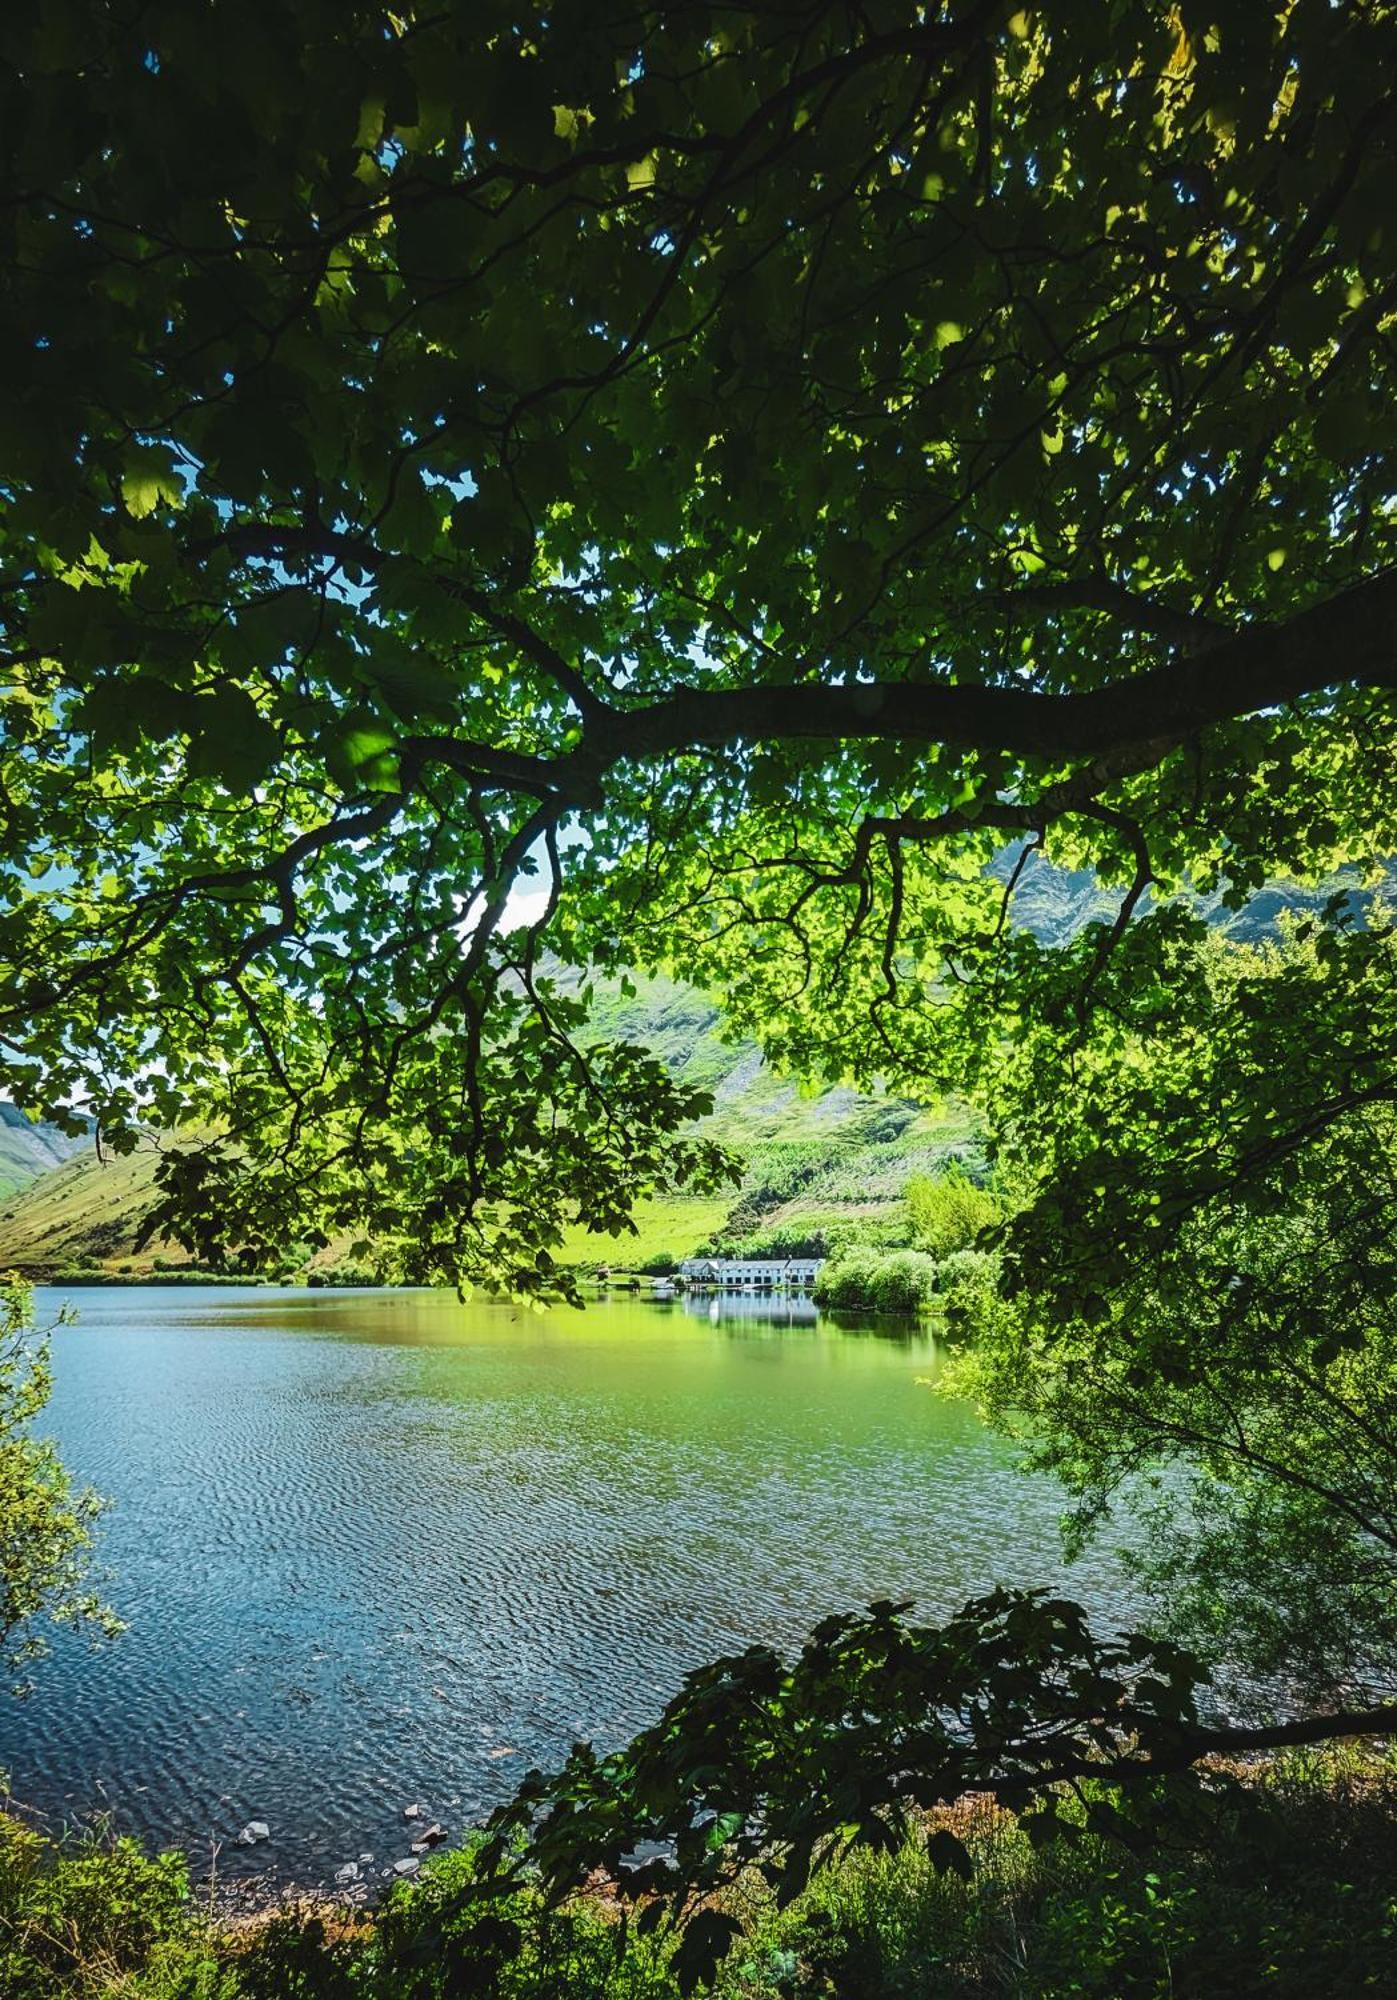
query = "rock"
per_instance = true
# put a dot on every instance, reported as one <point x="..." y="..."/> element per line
<point x="349" y="1873"/>
<point x="255" y="1830"/>
<point x="412" y="1812"/>
<point x="407" y="1866"/>
<point x="366" y="1859"/>
<point x="428" y="1837"/>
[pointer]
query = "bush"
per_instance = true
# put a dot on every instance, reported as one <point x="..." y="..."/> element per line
<point x="1280" y="1886"/>
<point x="948" y="1212"/>
<point x="76" y="1919"/>
<point x="967" y="1286"/>
<point x="878" y="1281"/>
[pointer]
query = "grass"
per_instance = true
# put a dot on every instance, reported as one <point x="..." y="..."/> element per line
<point x="1279" y="1886"/>
<point x="83" y="1213"/>
<point x="674" y="1226"/>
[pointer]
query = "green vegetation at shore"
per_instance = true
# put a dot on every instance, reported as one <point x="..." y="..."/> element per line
<point x="895" y="1281"/>
<point x="45" y="1521"/>
<point x="1278" y="1886"/>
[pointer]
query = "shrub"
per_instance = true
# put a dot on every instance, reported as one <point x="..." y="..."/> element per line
<point x="878" y="1281"/>
<point x="967" y="1285"/>
<point x="45" y="1523"/>
<point x="948" y="1212"/>
<point x="77" y="1919"/>
<point x="1278" y="1886"/>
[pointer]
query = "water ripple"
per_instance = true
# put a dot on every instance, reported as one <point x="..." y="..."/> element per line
<point x="380" y="1548"/>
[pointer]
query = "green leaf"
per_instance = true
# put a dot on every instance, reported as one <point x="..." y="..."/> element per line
<point x="231" y="741"/>
<point x="706" y="1941"/>
<point x="150" y="475"/>
<point x="360" y="754"/>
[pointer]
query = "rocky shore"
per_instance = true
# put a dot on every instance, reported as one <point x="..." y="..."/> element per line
<point x="356" y="1881"/>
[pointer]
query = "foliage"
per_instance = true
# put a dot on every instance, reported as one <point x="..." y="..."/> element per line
<point x="760" y="1763"/>
<point x="87" y="1213"/>
<point x="720" y="473"/>
<point x="690" y="485"/>
<point x="949" y="1212"/>
<point x="1223" y="1322"/>
<point x="1282" y="1887"/>
<point x="78" y="1920"/>
<point x="45" y="1525"/>
<point x="878" y="1281"/>
<point x="782" y="1239"/>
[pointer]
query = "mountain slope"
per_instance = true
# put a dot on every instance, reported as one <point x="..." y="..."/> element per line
<point x="28" y="1150"/>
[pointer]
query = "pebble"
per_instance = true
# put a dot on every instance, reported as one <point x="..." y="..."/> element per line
<point x="255" y="1830"/>
<point x="349" y="1873"/>
<point x="412" y="1812"/>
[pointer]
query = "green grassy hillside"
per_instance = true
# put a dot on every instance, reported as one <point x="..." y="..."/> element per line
<point x="80" y="1214"/>
<point x="816" y="1164"/>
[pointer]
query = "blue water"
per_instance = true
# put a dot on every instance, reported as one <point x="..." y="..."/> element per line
<point x="376" y="1548"/>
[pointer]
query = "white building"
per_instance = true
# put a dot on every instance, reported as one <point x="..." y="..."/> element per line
<point x="762" y="1274"/>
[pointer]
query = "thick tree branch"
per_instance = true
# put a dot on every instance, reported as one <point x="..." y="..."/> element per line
<point x="1350" y="639"/>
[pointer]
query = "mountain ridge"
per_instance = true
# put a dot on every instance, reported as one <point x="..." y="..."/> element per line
<point x="29" y="1148"/>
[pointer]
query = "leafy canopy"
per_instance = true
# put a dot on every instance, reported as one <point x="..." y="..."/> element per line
<point x="1198" y="1279"/>
<point x="722" y="471"/>
<point x="728" y="472"/>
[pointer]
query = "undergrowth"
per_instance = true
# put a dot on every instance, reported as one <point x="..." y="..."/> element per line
<point x="1284" y="1888"/>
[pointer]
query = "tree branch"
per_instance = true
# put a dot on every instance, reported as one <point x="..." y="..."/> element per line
<point x="1136" y="613"/>
<point x="1349" y="639"/>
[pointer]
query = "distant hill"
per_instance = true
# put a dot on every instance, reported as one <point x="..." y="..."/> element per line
<point x="1054" y="904"/>
<point x="817" y="1164"/>
<point x="28" y="1150"/>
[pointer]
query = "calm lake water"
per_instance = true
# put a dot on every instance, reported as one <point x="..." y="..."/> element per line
<point x="378" y="1547"/>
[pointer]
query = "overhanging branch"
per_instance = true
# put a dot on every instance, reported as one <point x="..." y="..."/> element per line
<point x="1350" y="639"/>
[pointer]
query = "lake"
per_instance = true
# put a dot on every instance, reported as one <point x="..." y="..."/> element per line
<point x="378" y="1547"/>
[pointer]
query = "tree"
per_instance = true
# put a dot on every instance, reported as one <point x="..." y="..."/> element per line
<point x="948" y="1212"/>
<point x="45" y="1526"/>
<point x="743" y="465"/>
<point x="1200" y="1278"/>
<point x="728" y="472"/>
